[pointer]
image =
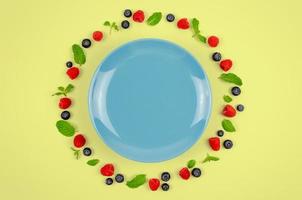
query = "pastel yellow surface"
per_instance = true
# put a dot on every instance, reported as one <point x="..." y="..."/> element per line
<point x="262" y="37"/>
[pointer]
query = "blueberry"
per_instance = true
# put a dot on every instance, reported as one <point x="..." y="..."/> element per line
<point x="165" y="186"/>
<point x="220" y="133"/>
<point x="69" y="64"/>
<point x="86" y="43"/>
<point x="170" y="17"/>
<point x="228" y="144"/>
<point x="65" y="115"/>
<point x="119" y="178"/>
<point x="127" y="13"/>
<point x="87" y="151"/>
<point x="196" y="172"/>
<point x="236" y="91"/>
<point x="125" y="24"/>
<point x="109" y="181"/>
<point x="165" y="176"/>
<point x="240" y="107"/>
<point x="216" y="56"/>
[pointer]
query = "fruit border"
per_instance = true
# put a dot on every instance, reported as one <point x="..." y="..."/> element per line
<point x="79" y="140"/>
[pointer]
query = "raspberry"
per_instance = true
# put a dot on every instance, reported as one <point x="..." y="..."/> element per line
<point x="154" y="184"/>
<point x="107" y="170"/>
<point x="79" y="141"/>
<point x="139" y="16"/>
<point x="226" y="65"/>
<point x="64" y="103"/>
<point x="184" y="173"/>
<point x="73" y="72"/>
<point x="229" y="111"/>
<point x="97" y="36"/>
<point x="183" y="23"/>
<point x="213" y="41"/>
<point x="214" y="143"/>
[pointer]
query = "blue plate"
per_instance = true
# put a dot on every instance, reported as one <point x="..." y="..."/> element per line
<point x="150" y="100"/>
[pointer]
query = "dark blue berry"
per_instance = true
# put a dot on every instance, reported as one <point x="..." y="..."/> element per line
<point x="216" y="56"/>
<point x="165" y="186"/>
<point x="220" y="133"/>
<point x="165" y="176"/>
<point x="69" y="64"/>
<point x="65" y="115"/>
<point x="119" y="178"/>
<point x="109" y="181"/>
<point x="86" y="43"/>
<point x="127" y="13"/>
<point x="240" y="107"/>
<point x="170" y="17"/>
<point x="228" y="144"/>
<point x="236" y="91"/>
<point x="196" y="172"/>
<point x="87" y="151"/>
<point x="125" y="24"/>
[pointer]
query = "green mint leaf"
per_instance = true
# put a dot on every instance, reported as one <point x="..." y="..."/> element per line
<point x="116" y="28"/>
<point x="202" y="38"/>
<point x="231" y="78"/>
<point x="69" y="88"/>
<point x="210" y="158"/>
<point x="93" y="162"/>
<point x="137" y="181"/>
<point x="228" y="126"/>
<point x="76" y="152"/>
<point x="195" y="26"/>
<point x="107" y="23"/>
<point x="227" y="98"/>
<point x="65" y="128"/>
<point x="57" y="94"/>
<point x="61" y="89"/>
<point x="154" y="18"/>
<point x="78" y="54"/>
<point x="191" y="164"/>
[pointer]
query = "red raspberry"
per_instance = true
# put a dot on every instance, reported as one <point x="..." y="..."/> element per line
<point x="184" y="173"/>
<point x="73" y="72"/>
<point x="213" y="41"/>
<point x="229" y="111"/>
<point x="79" y="141"/>
<point x="226" y="65"/>
<point x="64" y="103"/>
<point x="139" y="16"/>
<point x="214" y="143"/>
<point x="154" y="184"/>
<point x="97" y="35"/>
<point x="107" y="170"/>
<point x="183" y="23"/>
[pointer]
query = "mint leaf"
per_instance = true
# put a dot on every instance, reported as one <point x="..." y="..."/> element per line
<point x="107" y="23"/>
<point x="137" y="181"/>
<point x="227" y="98"/>
<point x="231" y="78"/>
<point x="191" y="164"/>
<point x="202" y="38"/>
<point x="65" y="128"/>
<point x="76" y="152"/>
<point x="69" y="88"/>
<point x="61" y="88"/>
<point x="154" y="19"/>
<point x="195" y="26"/>
<point x="93" y="162"/>
<point x="210" y="158"/>
<point x="57" y="94"/>
<point x="78" y="54"/>
<point x="228" y="126"/>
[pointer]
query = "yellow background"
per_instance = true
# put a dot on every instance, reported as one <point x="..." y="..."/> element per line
<point x="262" y="37"/>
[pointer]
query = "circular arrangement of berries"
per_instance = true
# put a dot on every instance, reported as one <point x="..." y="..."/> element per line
<point x="192" y="168"/>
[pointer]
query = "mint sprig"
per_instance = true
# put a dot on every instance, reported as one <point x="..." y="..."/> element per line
<point x="64" y="91"/>
<point x="210" y="158"/>
<point x="112" y="26"/>
<point x="76" y="152"/>
<point x="196" y="31"/>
